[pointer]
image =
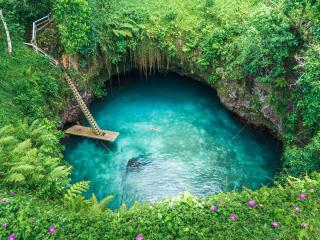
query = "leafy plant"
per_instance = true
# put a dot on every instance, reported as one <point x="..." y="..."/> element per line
<point x="170" y="16"/>
<point x="30" y="158"/>
<point x="74" y="23"/>
<point x="308" y="92"/>
<point x="76" y="201"/>
<point x="99" y="92"/>
<point x="74" y="198"/>
<point x="182" y="217"/>
<point x="301" y="160"/>
<point x="100" y="206"/>
<point x="281" y="82"/>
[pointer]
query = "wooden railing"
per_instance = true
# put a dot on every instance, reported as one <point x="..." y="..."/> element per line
<point x="37" y="26"/>
<point x="42" y="52"/>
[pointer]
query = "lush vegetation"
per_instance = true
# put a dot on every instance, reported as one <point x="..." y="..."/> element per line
<point x="33" y="92"/>
<point x="236" y="46"/>
<point x="277" y="213"/>
<point x="31" y="158"/>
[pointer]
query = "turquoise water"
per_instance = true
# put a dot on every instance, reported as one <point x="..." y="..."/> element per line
<point x="175" y="137"/>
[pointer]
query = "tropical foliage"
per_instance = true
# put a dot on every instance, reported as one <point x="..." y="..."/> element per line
<point x="234" y="45"/>
<point x="282" y="212"/>
<point x="33" y="92"/>
<point x="30" y="157"/>
<point x="73" y="17"/>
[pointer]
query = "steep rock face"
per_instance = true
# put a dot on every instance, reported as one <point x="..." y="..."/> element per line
<point x="72" y="112"/>
<point x="249" y="105"/>
<point x="262" y="93"/>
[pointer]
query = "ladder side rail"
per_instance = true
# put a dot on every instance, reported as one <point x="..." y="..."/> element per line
<point x="83" y="106"/>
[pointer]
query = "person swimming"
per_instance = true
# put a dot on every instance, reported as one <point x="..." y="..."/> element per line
<point x="155" y="129"/>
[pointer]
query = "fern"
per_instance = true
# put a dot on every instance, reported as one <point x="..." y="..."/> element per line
<point x="15" y="178"/>
<point x="31" y="159"/>
<point x="73" y="196"/>
<point x="5" y="130"/>
<point x="101" y="206"/>
<point x="78" y="188"/>
<point x="34" y="124"/>
<point x="75" y="200"/>
<point x="7" y="140"/>
<point x="22" y="147"/>
<point x="59" y="173"/>
<point x="23" y="168"/>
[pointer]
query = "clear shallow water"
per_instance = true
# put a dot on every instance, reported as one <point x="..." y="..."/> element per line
<point x="175" y="137"/>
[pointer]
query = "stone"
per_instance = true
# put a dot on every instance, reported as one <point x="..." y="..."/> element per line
<point x="73" y="112"/>
<point x="233" y="95"/>
<point x="134" y="163"/>
<point x="260" y="91"/>
<point x="270" y="115"/>
<point x="138" y="162"/>
<point x="247" y="103"/>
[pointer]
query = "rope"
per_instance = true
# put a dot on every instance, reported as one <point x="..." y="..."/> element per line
<point x="105" y="146"/>
<point x="240" y="131"/>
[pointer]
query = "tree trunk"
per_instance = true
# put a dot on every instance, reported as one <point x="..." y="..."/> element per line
<point x="7" y="33"/>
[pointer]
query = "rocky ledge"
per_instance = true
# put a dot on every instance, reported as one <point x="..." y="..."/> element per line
<point x="72" y="112"/>
<point x="248" y="106"/>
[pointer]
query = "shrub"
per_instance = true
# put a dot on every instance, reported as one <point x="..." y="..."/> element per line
<point x="30" y="157"/>
<point x="294" y="207"/>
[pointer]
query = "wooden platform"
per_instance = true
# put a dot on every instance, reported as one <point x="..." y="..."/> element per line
<point x="88" y="132"/>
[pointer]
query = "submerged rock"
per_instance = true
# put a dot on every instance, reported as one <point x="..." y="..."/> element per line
<point x="134" y="163"/>
<point x="138" y="162"/>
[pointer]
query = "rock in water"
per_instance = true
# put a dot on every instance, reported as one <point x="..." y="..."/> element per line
<point x="134" y="163"/>
<point x="137" y="162"/>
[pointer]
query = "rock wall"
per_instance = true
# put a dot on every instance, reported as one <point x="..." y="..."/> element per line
<point x="248" y="105"/>
<point x="251" y="106"/>
<point x="72" y="112"/>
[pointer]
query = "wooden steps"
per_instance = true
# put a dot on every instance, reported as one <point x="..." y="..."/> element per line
<point x="95" y="132"/>
<point x="77" y="130"/>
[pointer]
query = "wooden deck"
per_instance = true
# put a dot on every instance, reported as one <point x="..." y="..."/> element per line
<point x="88" y="132"/>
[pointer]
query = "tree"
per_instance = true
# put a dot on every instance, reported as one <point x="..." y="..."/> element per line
<point x="73" y="18"/>
<point x="26" y="11"/>
<point x="7" y="32"/>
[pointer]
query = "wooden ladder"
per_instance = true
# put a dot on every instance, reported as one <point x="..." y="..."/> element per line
<point x="96" y="132"/>
<point x="83" y="106"/>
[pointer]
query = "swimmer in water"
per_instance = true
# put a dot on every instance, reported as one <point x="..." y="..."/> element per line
<point x="154" y="129"/>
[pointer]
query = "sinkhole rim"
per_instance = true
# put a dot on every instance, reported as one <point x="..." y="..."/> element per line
<point x="134" y="73"/>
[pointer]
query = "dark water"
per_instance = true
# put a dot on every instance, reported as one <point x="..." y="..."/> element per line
<point x="175" y="137"/>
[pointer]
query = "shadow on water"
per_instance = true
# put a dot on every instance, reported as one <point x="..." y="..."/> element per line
<point x="175" y="137"/>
